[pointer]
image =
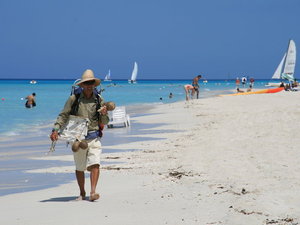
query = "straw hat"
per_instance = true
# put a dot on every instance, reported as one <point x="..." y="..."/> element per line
<point x="88" y="75"/>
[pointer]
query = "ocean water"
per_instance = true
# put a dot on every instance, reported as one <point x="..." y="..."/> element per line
<point x="52" y="94"/>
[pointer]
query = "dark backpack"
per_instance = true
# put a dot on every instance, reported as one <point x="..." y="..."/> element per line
<point x="77" y="92"/>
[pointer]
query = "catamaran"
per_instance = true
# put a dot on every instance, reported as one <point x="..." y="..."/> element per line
<point x="134" y="74"/>
<point x="286" y="67"/>
<point x="107" y="77"/>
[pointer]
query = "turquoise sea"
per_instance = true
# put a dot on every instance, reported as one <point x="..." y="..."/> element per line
<point x="24" y="133"/>
<point x="52" y="94"/>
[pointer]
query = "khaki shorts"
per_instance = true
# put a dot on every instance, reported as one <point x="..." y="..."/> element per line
<point x="88" y="157"/>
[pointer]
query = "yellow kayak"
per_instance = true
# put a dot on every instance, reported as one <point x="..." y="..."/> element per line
<point x="264" y="91"/>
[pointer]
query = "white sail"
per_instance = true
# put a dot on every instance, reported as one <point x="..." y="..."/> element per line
<point x="286" y="67"/>
<point x="290" y="62"/>
<point x="107" y="77"/>
<point x="134" y="72"/>
<point x="277" y="73"/>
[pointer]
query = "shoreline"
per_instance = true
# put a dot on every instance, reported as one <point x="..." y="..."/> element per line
<point x="29" y="152"/>
<point x="35" y="127"/>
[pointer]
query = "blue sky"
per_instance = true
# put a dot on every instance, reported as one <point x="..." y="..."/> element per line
<point x="170" y="39"/>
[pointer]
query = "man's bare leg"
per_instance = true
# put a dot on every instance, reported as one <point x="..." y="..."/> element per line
<point x="80" y="180"/>
<point x="94" y="177"/>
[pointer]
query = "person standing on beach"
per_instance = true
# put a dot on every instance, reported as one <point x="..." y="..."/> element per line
<point x="189" y="91"/>
<point x="251" y="82"/>
<point x="30" y="101"/>
<point x="244" y="81"/>
<point x="237" y="82"/>
<point x="87" y="157"/>
<point x="195" y="84"/>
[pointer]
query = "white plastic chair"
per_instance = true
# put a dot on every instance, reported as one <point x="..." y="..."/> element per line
<point x="119" y="117"/>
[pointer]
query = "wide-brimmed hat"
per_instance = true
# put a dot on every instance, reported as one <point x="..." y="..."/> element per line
<point x="88" y="75"/>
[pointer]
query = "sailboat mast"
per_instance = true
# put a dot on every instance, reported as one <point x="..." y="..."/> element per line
<point x="287" y="52"/>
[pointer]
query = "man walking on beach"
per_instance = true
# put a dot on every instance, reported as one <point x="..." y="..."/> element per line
<point x="87" y="156"/>
<point x="196" y="84"/>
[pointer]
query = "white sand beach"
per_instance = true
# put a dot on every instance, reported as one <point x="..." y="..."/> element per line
<point x="224" y="160"/>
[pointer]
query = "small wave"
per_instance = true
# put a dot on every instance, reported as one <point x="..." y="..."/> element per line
<point x="10" y="133"/>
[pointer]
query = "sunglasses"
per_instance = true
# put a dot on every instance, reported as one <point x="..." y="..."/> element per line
<point x="89" y="82"/>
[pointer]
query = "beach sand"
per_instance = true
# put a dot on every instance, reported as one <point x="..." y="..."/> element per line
<point x="223" y="160"/>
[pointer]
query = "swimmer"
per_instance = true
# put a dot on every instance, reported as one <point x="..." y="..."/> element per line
<point x="30" y="101"/>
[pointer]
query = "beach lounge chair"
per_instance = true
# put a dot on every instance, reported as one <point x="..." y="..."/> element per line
<point x="119" y="117"/>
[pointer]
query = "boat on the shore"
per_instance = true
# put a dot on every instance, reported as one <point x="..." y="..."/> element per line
<point x="134" y="74"/>
<point x="286" y="67"/>
<point x="264" y="91"/>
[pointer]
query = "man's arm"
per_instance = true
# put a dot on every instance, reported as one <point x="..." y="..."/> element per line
<point x="62" y="118"/>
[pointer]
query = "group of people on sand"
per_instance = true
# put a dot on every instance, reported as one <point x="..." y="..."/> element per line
<point x="192" y="90"/>
<point x="244" y="83"/>
<point x="290" y="86"/>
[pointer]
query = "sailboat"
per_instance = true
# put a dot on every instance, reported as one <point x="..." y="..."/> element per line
<point x="286" y="67"/>
<point x="134" y="74"/>
<point x="107" y="77"/>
